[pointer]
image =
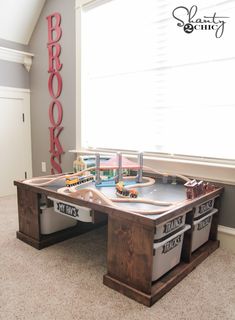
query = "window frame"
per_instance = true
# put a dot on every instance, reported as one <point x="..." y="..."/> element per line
<point x="218" y="170"/>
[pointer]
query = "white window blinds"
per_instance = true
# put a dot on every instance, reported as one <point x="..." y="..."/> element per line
<point x="147" y="85"/>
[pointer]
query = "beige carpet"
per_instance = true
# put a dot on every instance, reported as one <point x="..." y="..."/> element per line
<point x="64" y="281"/>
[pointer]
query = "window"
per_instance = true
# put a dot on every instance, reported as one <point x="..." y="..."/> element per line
<point x="148" y="85"/>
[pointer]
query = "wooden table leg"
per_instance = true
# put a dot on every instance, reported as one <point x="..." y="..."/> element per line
<point x="187" y="243"/>
<point x="130" y="259"/>
<point x="29" y="217"/>
<point x="29" y="221"/>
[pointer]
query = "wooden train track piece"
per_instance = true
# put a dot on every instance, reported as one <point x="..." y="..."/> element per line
<point x="95" y="196"/>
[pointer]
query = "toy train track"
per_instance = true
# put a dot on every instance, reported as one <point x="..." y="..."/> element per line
<point x="97" y="197"/>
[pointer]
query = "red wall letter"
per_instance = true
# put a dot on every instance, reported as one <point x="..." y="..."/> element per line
<point x="55" y="146"/>
<point x="54" y="29"/>
<point x="54" y="53"/>
<point x="59" y="113"/>
<point x="59" y="84"/>
<point x="55" y="165"/>
<point x="54" y="49"/>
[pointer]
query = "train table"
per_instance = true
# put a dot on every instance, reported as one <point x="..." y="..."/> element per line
<point x="160" y="227"/>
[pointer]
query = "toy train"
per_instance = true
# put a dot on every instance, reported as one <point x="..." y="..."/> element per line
<point x="74" y="181"/>
<point x="122" y="191"/>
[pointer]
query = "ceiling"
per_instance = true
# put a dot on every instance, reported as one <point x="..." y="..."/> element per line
<point x="18" y="19"/>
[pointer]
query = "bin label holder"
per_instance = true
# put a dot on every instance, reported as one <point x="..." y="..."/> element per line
<point x="73" y="211"/>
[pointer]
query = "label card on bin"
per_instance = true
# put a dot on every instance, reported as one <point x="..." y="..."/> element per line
<point x="71" y="210"/>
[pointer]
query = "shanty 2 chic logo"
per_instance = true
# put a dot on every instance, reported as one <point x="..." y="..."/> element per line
<point x="189" y="22"/>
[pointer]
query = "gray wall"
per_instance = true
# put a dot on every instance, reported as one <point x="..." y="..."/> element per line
<point x="40" y="98"/>
<point x="13" y="74"/>
<point x="227" y="217"/>
<point x="13" y="45"/>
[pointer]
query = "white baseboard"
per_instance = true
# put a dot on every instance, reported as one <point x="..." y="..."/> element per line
<point x="226" y="236"/>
